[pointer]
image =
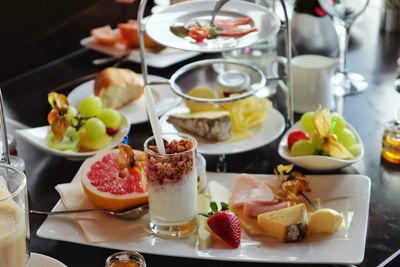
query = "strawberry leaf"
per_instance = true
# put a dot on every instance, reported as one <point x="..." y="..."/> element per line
<point x="224" y="206"/>
<point x="214" y="206"/>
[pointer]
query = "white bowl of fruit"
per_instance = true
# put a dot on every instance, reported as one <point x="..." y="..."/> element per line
<point x="321" y="141"/>
<point x="80" y="132"/>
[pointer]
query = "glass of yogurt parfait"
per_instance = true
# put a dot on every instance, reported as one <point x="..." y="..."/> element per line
<point x="172" y="184"/>
<point x="14" y="226"/>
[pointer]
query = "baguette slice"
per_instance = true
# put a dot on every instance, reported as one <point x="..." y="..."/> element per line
<point x="118" y="87"/>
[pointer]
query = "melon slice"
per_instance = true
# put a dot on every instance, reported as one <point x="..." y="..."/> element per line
<point x="113" y="188"/>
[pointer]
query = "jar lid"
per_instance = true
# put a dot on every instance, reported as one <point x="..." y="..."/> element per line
<point x="233" y="81"/>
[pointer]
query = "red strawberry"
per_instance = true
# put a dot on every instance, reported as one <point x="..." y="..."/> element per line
<point x="224" y="224"/>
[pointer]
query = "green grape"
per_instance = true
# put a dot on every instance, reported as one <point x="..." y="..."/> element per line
<point x="355" y="149"/>
<point x="71" y="115"/>
<point x="95" y="128"/>
<point x="340" y="123"/>
<point x="307" y="122"/>
<point x="89" y="106"/>
<point x="110" y="117"/>
<point x="347" y="137"/>
<point x="316" y="141"/>
<point x="302" y="148"/>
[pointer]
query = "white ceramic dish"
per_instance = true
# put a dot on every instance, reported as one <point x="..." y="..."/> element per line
<point x="158" y="25"/>
<point x="37" y="138"/>
<point x="164" y="98"/>
<point x="162" y="59"/>
<point x="40" y="260"/>
<point x="316" y="162"/>
<point x="270" y="128"/>
<point x="348" y="194"/>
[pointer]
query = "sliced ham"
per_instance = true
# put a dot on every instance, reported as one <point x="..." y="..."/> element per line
<point x="235" y="27"/>
<point x="236" y="32"/>
<point x="252" y="209"/>
<point x="249" y="188"/>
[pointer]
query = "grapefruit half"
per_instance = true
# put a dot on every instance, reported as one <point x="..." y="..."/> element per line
<point x="110" y="187"/>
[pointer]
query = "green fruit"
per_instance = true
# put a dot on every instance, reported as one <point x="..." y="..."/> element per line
<point x="316" y="141"/>
<point x="110" y="117"/>
<point x="355" y="149"/>
<point x="338" y="122"/>
<point x="95" y="128"/>
<point x="302" y="148"/>
<point x="69" y="142"/>
<point x="307" y="122"/>
<point x="89" y="106"/>
<point x="347" y="137"/>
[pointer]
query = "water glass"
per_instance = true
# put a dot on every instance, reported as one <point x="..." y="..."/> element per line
<point x="14" y="222"/>
<point x="172" y="184"/>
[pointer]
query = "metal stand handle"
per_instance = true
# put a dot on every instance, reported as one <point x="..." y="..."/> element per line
<point x="289" y="78"/>
<point x="140" y="32"/>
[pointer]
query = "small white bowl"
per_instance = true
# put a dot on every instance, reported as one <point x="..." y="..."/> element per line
<point x="37" y="138"/>
<point x="317" y="162"/>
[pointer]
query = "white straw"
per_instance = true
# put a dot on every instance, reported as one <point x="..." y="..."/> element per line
<point x="153" y="119"/>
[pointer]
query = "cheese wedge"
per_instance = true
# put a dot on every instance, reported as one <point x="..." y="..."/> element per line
<point x="210" y="125"/>
<point x="288" y="224"/>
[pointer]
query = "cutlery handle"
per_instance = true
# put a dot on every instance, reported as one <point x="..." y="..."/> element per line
<point x="37" y="212"/>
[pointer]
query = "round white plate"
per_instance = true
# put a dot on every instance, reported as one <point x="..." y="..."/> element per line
<point x="158" y="25"/>
<point x="40" y="260"/>
<point x="164" y="98"/>
<point x="317" y="162"/>
<point x="37" y="138"/>
<point x="269" y="129"/>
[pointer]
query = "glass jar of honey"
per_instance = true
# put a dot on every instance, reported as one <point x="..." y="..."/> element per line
<point x="391" y="142"/>
<point x="126" y="259"/>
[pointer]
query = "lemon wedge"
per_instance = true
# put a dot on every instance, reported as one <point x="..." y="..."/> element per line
<point x="201" y="92"/>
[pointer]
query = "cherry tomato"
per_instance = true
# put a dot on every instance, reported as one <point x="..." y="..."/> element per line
<point x="295" y="136"/>
<point x="198" y="34"/>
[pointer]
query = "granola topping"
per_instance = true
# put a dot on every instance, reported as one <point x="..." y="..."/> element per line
<point x="173" y="167"/>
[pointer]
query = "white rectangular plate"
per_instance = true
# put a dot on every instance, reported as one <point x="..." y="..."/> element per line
<point x="347" y="193"/>
<point x="162" y="59"/>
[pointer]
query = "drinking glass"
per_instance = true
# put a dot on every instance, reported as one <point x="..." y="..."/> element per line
<point x="172" y="185"/>
<point x="344" y="13"/>
<point x="14" y="222"/>
<point x="126" y="258"/>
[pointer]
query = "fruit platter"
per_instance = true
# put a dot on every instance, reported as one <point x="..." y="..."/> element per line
<point x="321" y="143"/>
<point x="77" y="132"/>
<point x="345" y="198"/>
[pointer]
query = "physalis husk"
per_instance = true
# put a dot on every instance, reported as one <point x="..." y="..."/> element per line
<point x="57" y="116"/>
<point x="323" y="129"/>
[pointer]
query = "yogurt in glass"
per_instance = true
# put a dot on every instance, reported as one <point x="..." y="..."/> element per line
<point x="172" y="184"/>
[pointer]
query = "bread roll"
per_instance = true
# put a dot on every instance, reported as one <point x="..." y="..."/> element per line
<point x="118" y="87"/>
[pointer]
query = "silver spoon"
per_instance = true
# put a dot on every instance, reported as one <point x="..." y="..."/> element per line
<point x="217" y="7"/>
<point x="132" y="214"/>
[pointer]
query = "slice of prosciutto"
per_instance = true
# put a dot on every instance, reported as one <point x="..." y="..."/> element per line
<point x="253" y="209"/>
<point x="235" y="28"/>
<point x="248" y="188"/>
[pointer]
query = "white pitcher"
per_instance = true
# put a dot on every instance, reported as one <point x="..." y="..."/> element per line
<point x="312" y="81"/>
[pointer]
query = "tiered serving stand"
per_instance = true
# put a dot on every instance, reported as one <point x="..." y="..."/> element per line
<point x="267" y="23"/>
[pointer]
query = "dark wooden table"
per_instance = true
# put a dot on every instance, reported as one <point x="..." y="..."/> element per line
<point x="372" y="53"/>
